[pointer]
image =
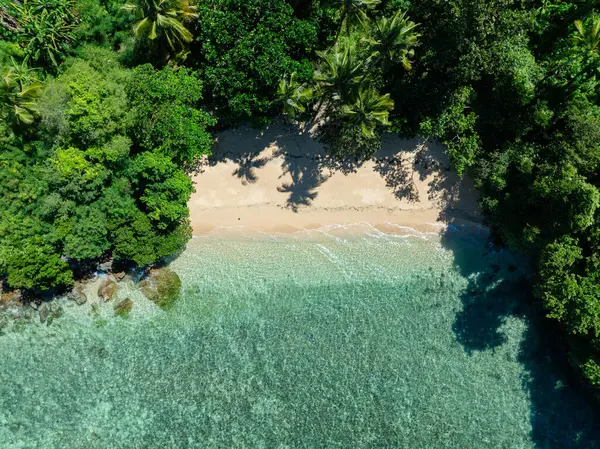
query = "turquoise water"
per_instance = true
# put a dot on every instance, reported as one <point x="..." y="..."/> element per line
<point x="319" y="339"/>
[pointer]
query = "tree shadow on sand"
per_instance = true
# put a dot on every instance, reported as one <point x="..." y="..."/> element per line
<point x="247" y="165"/>
<point x="396" y="165"/>
<point x="403" y="162"/>
<point x="304" y="158"/>
<point x="563" y="413"/>
<point x="398" y="176"/>
<point x="307" y="175"/>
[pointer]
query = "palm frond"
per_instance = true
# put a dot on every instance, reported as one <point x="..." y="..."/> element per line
<point x="588" y="35"/>
<point x="294" y="96"/>
<point x="339" y="70"/>
<point x="368" y="110"/>
<point x="163" y="19"/>
<point x="395" y="38"/>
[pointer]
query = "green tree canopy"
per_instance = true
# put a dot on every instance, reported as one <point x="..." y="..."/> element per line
<point x="165" y="113"/>
<point x="244" y="47"/>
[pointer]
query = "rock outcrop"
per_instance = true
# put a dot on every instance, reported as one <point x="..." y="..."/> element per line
<point x="77" y="294"/>
<point x="107" y="289"/>
<point x="43" y="313"/>
<point x="162" y="286"/>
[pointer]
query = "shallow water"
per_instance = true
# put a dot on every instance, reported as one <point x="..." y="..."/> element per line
<point x="324" y="338"/>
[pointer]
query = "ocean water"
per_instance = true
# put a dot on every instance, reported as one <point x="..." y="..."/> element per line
<point x="327" y="338"/>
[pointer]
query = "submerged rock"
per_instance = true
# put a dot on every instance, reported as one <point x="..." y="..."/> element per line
<point x="4" y="322"/>
<point x="161" y="286"/>
<point x="78" y="295"/>
<point x="50" y="311"/>
<point x="120" y="276"/>
<point x="43" y="313"/>
<point x="107" y="289"/>
<point x="122" y="308"/>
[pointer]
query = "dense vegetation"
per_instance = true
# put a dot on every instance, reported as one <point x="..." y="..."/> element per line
<point x="105" y="106"/>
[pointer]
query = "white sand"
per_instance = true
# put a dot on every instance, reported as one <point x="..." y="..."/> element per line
<point x="279" y="179"/>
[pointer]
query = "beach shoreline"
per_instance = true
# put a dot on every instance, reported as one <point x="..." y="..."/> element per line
<point x="413" y="224"/>
<point x="280" y="179"/>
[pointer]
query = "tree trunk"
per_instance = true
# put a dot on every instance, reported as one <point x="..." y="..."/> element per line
<point x="319" y="106"/>
<point x="571" y="86"/>
<point x="555" y="71"/>
<point x="339" y="30"/>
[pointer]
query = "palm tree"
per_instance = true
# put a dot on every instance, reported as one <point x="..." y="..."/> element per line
<point x="339" y="71"/>
<point x="19" y="90"/>
<point x="163" y="18"/>
<point x="368" y="110"/>
<point x="294" y="96"/>
<point x="588" y="37"/>
<point x="395" y="38"/>
<point x="353" y="11"/>
<point x="46" y="27"/>
<point x="588" y="43"/>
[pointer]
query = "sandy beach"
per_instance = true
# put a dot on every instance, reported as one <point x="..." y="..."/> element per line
<point x="280" y="179"/>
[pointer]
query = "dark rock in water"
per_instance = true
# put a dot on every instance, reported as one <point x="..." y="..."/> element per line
<point x="28" y="314"/>
<point x="122" y="308"/>
<point x="78" y="295"/>
<point x="43" y="313"/>
<point x="107" y="289"/>
<point x="56" y="311"/>
<point x="120" y="275"/>
<point x="161" y="286"/>
<point x="4" y="323"/>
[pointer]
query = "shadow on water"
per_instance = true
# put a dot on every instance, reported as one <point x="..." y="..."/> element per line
<point x="562" y="413"/>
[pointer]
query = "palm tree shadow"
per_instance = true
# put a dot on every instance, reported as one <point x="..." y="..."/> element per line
<point x="248" y="163"/>
<point x="245" y="147"/>
<point x="563" y="413"/>
<point x="305" y="158"/>
<point x="309" y="164"/>
<point x="307" y="175"/>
